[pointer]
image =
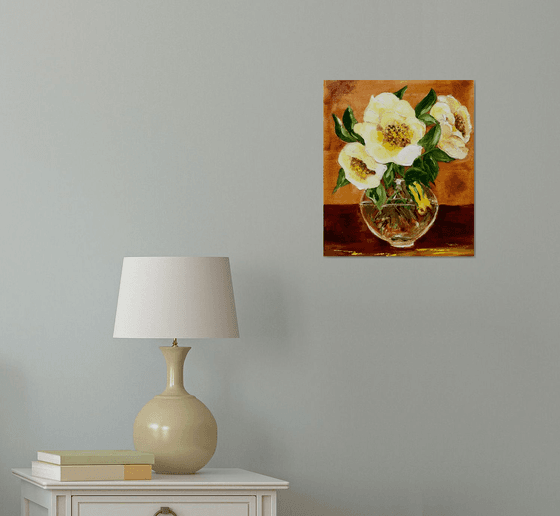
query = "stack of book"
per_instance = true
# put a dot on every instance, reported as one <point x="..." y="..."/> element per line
<point x="82" y="465"/>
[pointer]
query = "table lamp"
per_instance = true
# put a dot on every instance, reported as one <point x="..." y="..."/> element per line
<point x="174" y="298"/>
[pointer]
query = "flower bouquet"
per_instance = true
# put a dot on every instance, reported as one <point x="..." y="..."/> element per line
<point x="394" y="157"/>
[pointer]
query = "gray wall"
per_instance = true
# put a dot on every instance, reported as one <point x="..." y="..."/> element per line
<point x="377" y="387"/>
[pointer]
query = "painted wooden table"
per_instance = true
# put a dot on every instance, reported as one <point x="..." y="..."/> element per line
<point x="209" y="492"/>
<point x="346" y="234"/>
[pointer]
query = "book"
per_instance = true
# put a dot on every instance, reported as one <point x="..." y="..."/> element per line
<point x="74" y="457"/>
<point x="83" y="472"/>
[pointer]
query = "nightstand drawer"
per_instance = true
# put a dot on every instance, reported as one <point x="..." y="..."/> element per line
<point x="150" y="505"/>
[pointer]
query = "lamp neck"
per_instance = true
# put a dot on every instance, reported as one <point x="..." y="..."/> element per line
<point x="175" y="359"/>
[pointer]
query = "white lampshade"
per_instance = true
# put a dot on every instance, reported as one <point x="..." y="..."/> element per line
<point x="176" y="297"/>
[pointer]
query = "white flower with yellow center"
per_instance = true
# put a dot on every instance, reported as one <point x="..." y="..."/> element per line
<point x="456" y="127"/>
<point x="359" y="167"/>
<point x="391" y="130"/>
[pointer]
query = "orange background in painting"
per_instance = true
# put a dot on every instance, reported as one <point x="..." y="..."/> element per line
<point x="455" y="182"/>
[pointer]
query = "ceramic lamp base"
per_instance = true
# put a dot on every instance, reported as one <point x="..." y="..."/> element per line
<point x="175" y="426"/>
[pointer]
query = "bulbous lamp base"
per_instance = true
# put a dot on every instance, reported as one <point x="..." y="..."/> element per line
<point x="175" y="426"/>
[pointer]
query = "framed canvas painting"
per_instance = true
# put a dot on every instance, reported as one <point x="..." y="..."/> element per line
<point x="398" y="168"/>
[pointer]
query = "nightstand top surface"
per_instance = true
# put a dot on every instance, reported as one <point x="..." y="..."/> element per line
<point x="206" y="478"/>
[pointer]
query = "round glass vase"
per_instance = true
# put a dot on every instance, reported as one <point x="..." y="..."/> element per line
<point x="399" y="221"/>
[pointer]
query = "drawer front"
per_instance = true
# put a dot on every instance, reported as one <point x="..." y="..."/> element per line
<point x="150" y="505"/>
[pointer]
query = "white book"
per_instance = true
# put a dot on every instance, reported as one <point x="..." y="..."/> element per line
<point x="64" y="457"/>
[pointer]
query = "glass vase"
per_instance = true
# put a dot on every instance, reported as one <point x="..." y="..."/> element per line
<point x="399" y="221"/>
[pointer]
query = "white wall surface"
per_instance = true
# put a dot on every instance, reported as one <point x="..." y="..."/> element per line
<point x="376" y="386"/>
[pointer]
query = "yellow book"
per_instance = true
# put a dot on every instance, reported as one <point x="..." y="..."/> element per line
<point x="65" y="457"/>
<point x="81" y="472"/>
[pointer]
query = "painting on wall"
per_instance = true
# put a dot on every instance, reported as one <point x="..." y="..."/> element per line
<point x="398" y="168"/>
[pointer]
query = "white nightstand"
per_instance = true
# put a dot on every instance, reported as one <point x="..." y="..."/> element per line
<point x="209" y="492"/>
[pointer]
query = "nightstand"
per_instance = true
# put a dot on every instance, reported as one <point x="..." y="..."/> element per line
<point x="209" y="492"/>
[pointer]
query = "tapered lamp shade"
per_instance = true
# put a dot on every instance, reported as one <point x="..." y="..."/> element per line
<point x="176" y="297"/>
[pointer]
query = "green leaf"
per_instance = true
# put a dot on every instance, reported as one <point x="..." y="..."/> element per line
<point x="431" y="166"/>
<point x="426" y="103"/>
<point x="378" y="196"/>
<point x="431" y="138"/>
<point x="400" y="93"/>
<point x="427" y="119"/>
<point x="417" y="174"/>
<point x="341" y="181"/>
<point x="440" y="155"/>
<point x="350" y="121"/>
<point x="419" y="162"/>
<point x="341" y="131"/>
<point x="389" y="175"/>
<point x="424" y="164"/>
